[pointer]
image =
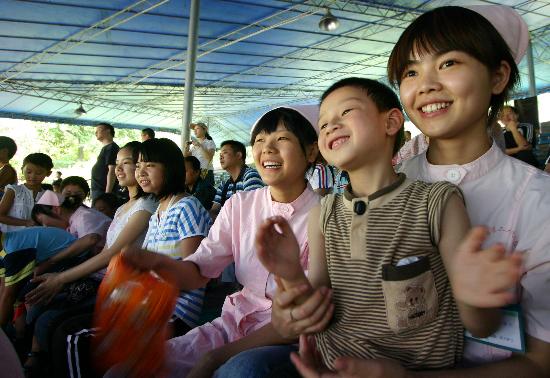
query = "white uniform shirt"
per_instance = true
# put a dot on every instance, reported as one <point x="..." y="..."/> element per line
<point x="512" y="199"/>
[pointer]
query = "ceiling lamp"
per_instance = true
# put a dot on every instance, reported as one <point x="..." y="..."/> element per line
<point x="80" y="110"/>
<point x="328" y="22"/>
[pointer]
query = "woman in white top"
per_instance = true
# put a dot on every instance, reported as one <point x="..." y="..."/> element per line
<point x="129" y="226"/>
<point x="202" y="147"/>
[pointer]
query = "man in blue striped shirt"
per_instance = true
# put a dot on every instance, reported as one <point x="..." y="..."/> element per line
<point x="242" y="177"/>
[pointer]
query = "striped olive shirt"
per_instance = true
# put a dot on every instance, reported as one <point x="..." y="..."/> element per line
<point x="384" y="309"/>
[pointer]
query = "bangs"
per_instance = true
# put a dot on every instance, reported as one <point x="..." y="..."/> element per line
<point x="152" y="152"/>
<point x="292" y="120"/>
<point x="446" y="29"/>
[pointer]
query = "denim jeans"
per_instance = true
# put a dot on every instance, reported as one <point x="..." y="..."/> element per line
<point x="259" y="362"/>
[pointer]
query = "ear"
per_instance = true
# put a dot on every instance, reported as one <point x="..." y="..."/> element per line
<point x="240" y="155"/>
<point x="394" y="121"/>
<point x="311" y="152"/>
<point x="500" y="78"/>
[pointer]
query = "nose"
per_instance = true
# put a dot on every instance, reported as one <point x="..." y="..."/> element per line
<point x="333" y="124"/>
<point x="268" y="146"/>
<point x="139" y="171"/>
<point x="429" y="82"/>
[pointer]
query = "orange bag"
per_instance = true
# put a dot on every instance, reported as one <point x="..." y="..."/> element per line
<point x="131" y="314"/>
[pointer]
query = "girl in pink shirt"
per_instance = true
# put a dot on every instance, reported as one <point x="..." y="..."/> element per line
<point x="284" y="145"/>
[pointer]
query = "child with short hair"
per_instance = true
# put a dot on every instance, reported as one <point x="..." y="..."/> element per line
<point x="8" y="175"/>
<point x="387" y="247"/>
<point x="18" y="200"/>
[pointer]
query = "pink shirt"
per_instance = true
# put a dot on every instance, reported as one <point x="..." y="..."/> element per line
<point x="231" y="238"/>
<point x="85" y="221"/>
<point x="512" y="199"/>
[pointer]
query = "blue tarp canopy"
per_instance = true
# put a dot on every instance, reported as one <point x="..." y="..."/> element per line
<point x="124" y="60"/>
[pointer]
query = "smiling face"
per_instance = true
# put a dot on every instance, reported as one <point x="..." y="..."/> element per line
<point x="447" y="95"/>
<point x="352" y="129"/>
<point x="280" y="159"/>
<point x="150" y="176"/>
<point x="125" y="168"/>
<point x="34" y="175"/>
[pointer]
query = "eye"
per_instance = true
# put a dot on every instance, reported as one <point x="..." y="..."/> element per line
<point x="409" y="73"/>
<point x="258" y="140"/>
<point x="346" y="111"/>
<point x="282" y="138"/>
<point x="323" y="126"/>
<point x="448" y="63"/>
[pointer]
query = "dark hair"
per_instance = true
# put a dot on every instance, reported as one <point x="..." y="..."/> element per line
<point x="381" y="95"/>
<point x="148" y="131"/>
<point x="236" y="146"/>
<point x="135" y="148"/>
<point x="39" y="159"/>
<point x="110" y="199"/>
<point x="167" y="153"/>
<point x="109" y="127"/>
<point x="47" y="187"/>
<point x="455" y="28"/>
<point x="78" y="181"/>
<point x="512" y="108"/>
<point x="293" y="121"/>
<point x="9" y="144"/>
<point x="195" y="163"/>
<point x="72" y="202"/>
<point x="41" y="209"/>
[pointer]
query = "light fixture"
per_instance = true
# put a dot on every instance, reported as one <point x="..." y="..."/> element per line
<point x="328" y="22"/>
<point x="80" y="110"/>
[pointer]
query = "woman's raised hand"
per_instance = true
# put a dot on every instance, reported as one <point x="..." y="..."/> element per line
<point x="278" y="249"/>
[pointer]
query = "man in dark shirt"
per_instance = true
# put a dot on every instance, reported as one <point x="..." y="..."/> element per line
<point x="516" y="136"/>
<point x="103" y="172"/>
<point x="195" y="185"/>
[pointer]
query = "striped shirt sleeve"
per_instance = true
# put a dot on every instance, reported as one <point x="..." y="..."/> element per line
<point x="252" y="180"/>
<point x="193" y="219"/>
<point x="218" y="196"/>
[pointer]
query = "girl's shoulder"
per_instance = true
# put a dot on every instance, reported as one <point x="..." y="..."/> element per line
<point x="187" y="203"/>
<point x="209" y="143"/>
<point x="147" y="203"/>
<point x="17" y="188"/>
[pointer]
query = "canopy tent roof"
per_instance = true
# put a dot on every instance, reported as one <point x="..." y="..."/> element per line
<point x="124" y="60"/>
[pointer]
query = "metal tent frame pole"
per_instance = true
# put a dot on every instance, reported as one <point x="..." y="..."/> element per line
<point x="190" y="71"/>
<point x="531" y="71"/>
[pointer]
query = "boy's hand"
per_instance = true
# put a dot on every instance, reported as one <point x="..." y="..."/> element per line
<point x="312" y="316"/>
<point x="309" y="365"/>
<point x="483" y="278"/>
<point x="278" y="249"/>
